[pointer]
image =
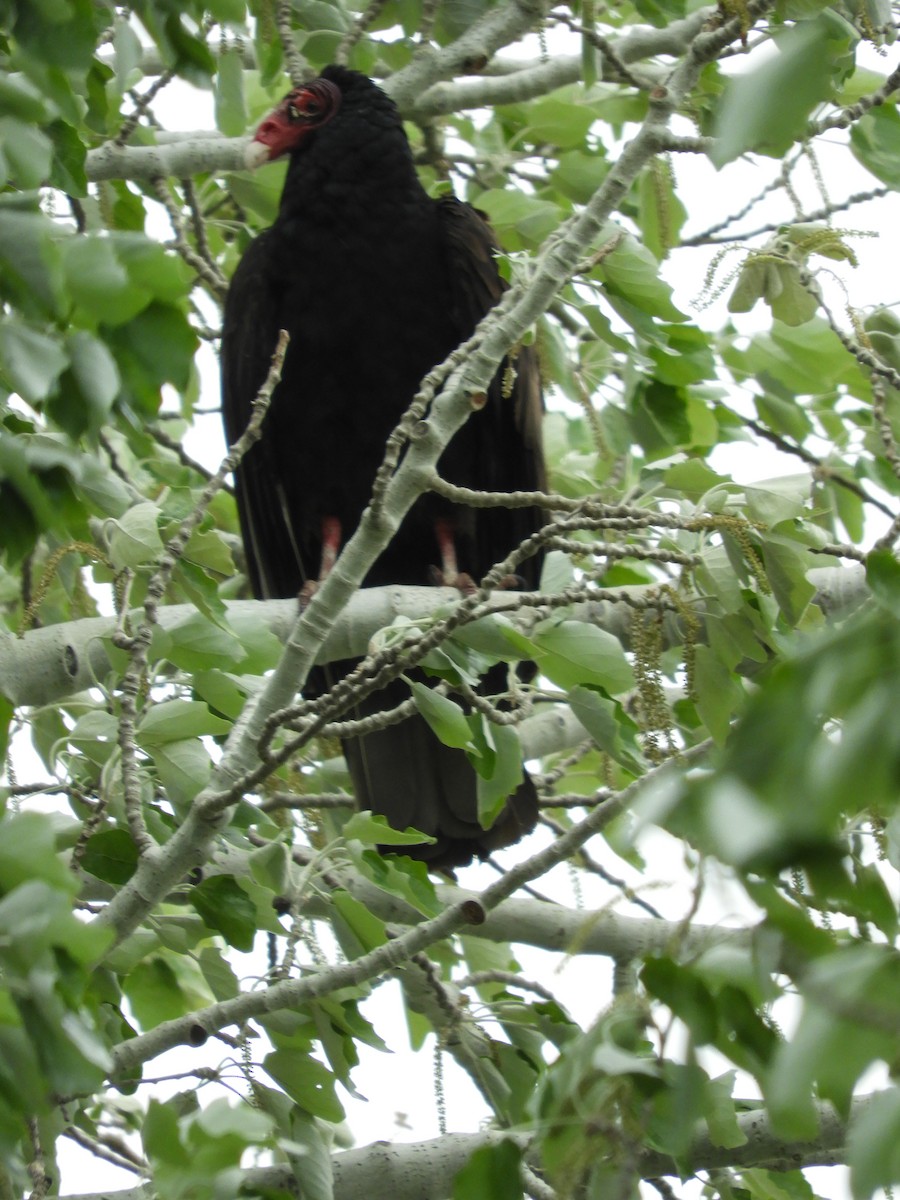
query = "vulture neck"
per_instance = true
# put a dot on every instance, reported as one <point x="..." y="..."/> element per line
<point x="356" y="175"/>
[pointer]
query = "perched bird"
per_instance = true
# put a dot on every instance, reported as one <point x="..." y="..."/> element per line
<point x="376" y="283"/>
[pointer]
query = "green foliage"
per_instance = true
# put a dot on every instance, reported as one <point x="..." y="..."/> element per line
<point x="491" y="1171"/>
<point x="727" y="695"/>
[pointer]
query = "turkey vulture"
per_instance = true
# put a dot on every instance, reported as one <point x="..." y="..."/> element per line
<point x="376" y="283"/>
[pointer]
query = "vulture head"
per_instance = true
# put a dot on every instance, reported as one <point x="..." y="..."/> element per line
<point x="303" y="110"/>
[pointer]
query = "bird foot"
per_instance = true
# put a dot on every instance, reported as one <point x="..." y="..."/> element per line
<point x="307" y="592"/>
<point x="460" y="580"/>
<point x="512" y="583"/>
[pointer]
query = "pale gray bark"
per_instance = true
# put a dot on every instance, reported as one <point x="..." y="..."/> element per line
<point x="48" y="664"/>
<point x="425" y="1170"/>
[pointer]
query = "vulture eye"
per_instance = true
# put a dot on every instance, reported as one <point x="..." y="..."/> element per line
<point x="314" y="104"/>
<point x="305" y="107"/>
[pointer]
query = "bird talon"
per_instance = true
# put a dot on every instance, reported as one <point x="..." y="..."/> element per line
<point x="512" y="583"/>
<point x="461" y="580"/>
<point x="307" y="592"/>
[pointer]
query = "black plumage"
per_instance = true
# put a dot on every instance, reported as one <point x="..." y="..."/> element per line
<point x="376" y="283"/>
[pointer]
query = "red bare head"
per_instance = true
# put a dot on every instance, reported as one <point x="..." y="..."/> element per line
<point x="299" y="113"/>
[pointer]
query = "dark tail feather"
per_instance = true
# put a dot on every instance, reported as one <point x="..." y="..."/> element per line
<point x="405" y="773"/>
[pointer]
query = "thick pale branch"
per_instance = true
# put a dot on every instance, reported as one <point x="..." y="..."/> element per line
<point x="203" y="154"/>
<point x="425" y="1170"/>
<point x="428" y="87"/>
<point x="46" y="665"/>
<point x="530" y="80"/>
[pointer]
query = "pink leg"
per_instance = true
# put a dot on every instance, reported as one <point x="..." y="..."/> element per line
<point x="449" y="574"/>
<point x="331" y="544"/>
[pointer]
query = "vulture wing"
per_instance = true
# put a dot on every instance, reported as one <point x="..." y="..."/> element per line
<point x="250" y="331"/>
<point x="505" y="437"/>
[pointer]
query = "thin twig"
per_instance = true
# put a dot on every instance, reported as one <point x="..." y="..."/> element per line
<point x="846" y="116"/>
<point x="357" y="29"/>
<point x="141" y="105"/>
<point x="98" y="1150"/>
<point x="170" y="443"/>
<point x="295" y="64"/>
<point x="822" y="470"/>
<point x="818" y="214"/>
<point x="138" y="644"/>
<point x="206" y="269"/>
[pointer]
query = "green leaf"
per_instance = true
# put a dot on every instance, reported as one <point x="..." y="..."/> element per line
<point x="766" y="109"/>
<point x="573" y="652"/>
<point x="828" y="1046"/>
<point x="99" y="283"/>
<point x="721" y="1113"/>
<point x="184" y="769"/>
<point x="873" y="1146"/>
<point x="225" y="906"/>
<point x="6" y="715"/>
<point x="685" y="994"/>
<point x="176" y="720"/>
<point x="111" y="855"/>
<point x="366" y="929"/>
<point x="154" y="348"/>
<point x="134" y="537"/>
<point x="559" y="122"/>
<point x="373" y="830"/>
<point x="26" y="154"/>
<point x="126" y="61"/>
<point x="63" y="35"/>
<point x="20" y="98"/>
<point x="521" y="219"/>
<point x="492" y="1173"/>
<point x="154" y="993"/>
<point x="67" y="171"/>
<point x="30" y="361"/>
<point x="403" y="877"/>
<point x="197" y="644"/>
<point x="883" y="577"/>
<point x="786" y="567"/>
<point x="231" y="111"/>
<point x="96" y="375"/>
<point x="306" y="1081"/>
<point x="28" y="853"/>
<point x="875" y="140"/>
<point x="506" y="772"/>
<point x="309" y="1153"/>
<point x="444" y="715"/>
<point x="270" y="866"/>
<point x="32" y="272"/>
<point x="719" y="695"/>
<point x="161" y="1136"/>
<point x="632" y="272"/>
<point x="152" y="268"/>
<point x="609" y="726"/>
<point x="783" y="415"/>
<point x="557" y="572"/>
<point x="693" y="478"/>
<point x="218" y="973"/>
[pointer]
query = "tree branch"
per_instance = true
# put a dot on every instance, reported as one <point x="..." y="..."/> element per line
<point x="424" y="1170"/>
<point x="46" y="665"/>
